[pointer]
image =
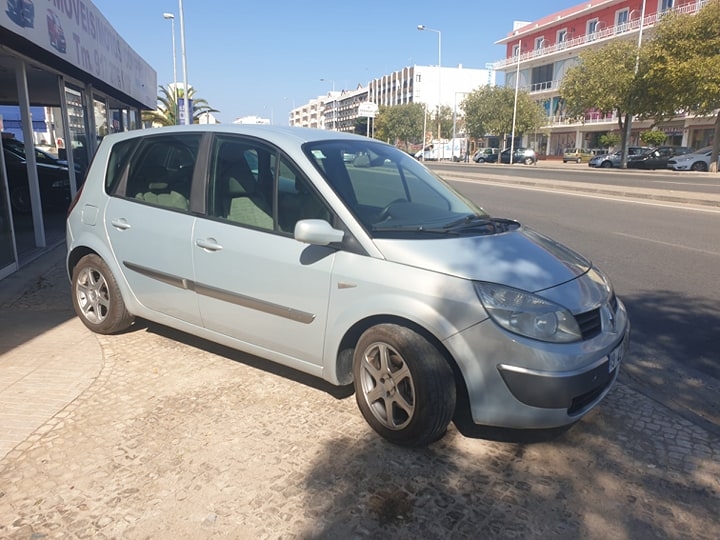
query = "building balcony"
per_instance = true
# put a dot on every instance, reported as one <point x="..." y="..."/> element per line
<point x="575" y="44"/>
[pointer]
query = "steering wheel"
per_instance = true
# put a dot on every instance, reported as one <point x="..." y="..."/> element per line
<point x="385" y="212"/>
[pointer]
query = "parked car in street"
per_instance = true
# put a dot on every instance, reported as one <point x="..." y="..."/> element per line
<point x="53" y="180"/>
<point x="485" y="154"/>
<point x="520" y="155"/>
<point x="696" y="161"/>
<point x="607" y="161"/>
<point x="577" y="155"/>
<point x="657" y="158"/>
<point x="371" y="272"/>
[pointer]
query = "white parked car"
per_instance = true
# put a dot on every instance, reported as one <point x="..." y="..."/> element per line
<point x="368" y="270"/>
<point x="697" y="161"/>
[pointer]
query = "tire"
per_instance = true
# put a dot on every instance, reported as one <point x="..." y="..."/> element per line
<point x="96" y="297"/>
<point x="528" y="161"/>
<point x="578" y="160"/>
<point x="606" y="165"/>
<point x="20" y="199"/>
<point x="404" y="387"/>
<point x="699" y="166"/>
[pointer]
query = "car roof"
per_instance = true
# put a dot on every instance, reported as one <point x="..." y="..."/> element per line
<point x="280" y="135"/>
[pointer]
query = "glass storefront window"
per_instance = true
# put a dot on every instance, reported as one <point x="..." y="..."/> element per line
<point x="77" y="142"/>
<point x="7" y="249"/>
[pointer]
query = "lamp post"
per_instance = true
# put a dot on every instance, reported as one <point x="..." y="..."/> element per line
<point x="422" y="27"/>
<point x="517" y="86"/>
<point x="628" y="117"/>
<point x="171" y="17"/>
<point x="334" y="122"/>
<point x="186" y="92"/>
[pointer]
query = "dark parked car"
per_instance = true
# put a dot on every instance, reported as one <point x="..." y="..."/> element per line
<point x="520" y="155"/>
<point x="53" y="178"/>
<point x="657" y="158"/>
<point x="607" y="161"/>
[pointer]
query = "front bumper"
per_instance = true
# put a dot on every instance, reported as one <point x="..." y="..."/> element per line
<point x="526" y="384"/>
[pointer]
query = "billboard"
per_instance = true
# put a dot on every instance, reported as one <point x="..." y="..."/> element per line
<point x="78" y="33"/>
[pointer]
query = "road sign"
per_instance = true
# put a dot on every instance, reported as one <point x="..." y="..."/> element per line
<point x="368" y="108"/>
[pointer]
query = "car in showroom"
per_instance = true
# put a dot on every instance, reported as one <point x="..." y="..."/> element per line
<point x="656" y="158"/>
<point x="608" y="161"/>
<point x="695" y="161"/>
<point x="372" y="272"/>
<point x="53" y="180"/>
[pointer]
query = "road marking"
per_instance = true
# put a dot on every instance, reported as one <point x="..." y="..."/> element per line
<point x="670" y="244"/>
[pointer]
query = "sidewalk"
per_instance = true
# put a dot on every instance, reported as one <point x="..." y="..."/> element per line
<point x="661" y="193"/>
<point x="47" y="357"/>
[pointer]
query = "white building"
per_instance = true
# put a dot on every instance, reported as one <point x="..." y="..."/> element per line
<point x="252" y="120"/>
<point x="338" y="110"/>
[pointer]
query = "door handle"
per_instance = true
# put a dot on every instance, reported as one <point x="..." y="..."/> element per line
<point x="209" y="244"/>
<point x="121" y="224"/>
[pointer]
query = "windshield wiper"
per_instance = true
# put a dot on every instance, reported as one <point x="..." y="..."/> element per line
<point x="470" y="219"/>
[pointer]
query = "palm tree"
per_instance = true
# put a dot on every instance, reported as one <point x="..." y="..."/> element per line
<point x="166" y="113"/>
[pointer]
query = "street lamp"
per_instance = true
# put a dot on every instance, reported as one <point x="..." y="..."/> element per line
<point x="422" y="27"/>
<point x="628" y="117"/>
<point x="517" y="86"/>
<point x="172" y="24"/>
<point x="186" y="104"/>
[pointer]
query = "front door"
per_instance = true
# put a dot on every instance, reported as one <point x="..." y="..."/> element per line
<point x="254" y="281"/>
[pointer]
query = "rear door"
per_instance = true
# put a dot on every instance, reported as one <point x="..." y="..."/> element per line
<point x="148" y="221"/>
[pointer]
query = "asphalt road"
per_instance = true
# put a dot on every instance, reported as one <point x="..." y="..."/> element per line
<point x="663" y="262"/>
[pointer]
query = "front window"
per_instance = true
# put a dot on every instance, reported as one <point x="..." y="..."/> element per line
<point x="562" y="36"/>
<point x="592" y="28"/>
<point x="666" y="5"/>
<point x="391" y="193"/>
<point x="539" y="43"/>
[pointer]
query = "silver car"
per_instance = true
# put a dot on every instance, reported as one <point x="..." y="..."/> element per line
<point x="370" y="271"/>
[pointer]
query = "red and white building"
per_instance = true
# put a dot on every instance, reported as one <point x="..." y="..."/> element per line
<point x="539" y="53"/>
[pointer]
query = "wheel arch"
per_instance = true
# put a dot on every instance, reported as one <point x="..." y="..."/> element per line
<point x="346" y="348"/>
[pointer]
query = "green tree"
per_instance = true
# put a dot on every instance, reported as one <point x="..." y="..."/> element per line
<point x="682" y="73"/>
<point x="166" y="113"/>
<point x="654" y="137"/>
<point x="609" y="139"/>
<point x="489" y="110"/>
<point x="400" y="125"/>
<point x="605" y="80"/>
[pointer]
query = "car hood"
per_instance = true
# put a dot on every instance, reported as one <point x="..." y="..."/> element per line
<point x="521" y="258"/>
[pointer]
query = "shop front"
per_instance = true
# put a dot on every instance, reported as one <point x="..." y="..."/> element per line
<point x="67" y="79"/>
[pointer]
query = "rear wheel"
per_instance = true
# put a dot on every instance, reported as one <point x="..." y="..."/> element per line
<point x="606" y="164"/>
<point x="699" y="166"/>
<point x="528" y="161"/>
<point x="578" y="160"/>
<point x="404" y="387"/>
<point x="96" y="297"/>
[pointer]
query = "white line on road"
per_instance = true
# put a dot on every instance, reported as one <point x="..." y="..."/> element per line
<point x="670" y="244"/>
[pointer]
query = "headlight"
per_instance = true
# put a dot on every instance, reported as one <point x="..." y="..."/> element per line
<point x="528" y="314"/>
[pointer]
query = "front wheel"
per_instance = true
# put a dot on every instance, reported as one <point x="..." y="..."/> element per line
<point x="96" y="297"/>
<point x="606" y="165"/>
<point x="699" y="166"/>
<point x="404" y="387"/>
<point x="529" y="161"/>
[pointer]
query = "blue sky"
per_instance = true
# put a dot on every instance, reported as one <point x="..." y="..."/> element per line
<point x="263" y="58"/>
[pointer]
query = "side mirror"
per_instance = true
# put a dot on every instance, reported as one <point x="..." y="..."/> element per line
<point x="317" y="232"/>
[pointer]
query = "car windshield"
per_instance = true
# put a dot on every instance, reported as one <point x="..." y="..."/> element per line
<point x="392" y="194"/>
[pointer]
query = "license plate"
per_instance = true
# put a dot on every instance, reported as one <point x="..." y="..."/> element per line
<point x="615" y="357"/>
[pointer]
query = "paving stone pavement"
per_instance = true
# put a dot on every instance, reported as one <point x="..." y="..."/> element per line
<point x="169" y="436"/>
